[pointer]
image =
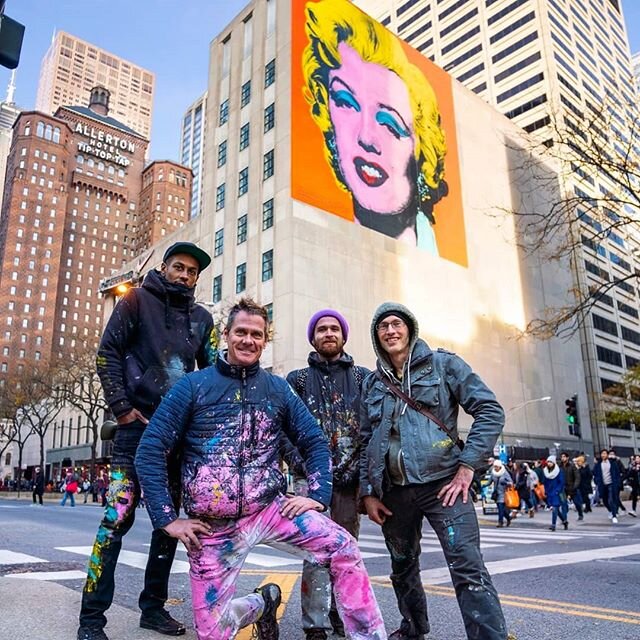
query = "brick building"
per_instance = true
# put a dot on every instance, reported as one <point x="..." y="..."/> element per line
<point x="71" y="217"/>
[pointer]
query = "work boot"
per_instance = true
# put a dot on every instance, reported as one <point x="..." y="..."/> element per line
<point x="89" y="633"/>
<point x="267" y="625"/>
<point x="565" y="524"/>
<point x="161" y="621"/>
<point x="315" y="634"/>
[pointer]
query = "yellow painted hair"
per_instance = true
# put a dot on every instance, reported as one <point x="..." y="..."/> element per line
<point x="331" y="22"/>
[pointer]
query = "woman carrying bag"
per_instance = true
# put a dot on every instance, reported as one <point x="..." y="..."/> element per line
<point x="556" y="497"/>
<point x="501" y="482"/>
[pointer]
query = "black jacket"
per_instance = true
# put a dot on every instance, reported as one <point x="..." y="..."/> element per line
<point x="155" y="335"/>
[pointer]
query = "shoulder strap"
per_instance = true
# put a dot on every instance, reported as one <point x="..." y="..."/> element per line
<point x="420" y="408"/>
<point x="301" y="381"/>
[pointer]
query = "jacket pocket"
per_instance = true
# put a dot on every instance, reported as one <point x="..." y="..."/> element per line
<point x="426" y="391"/>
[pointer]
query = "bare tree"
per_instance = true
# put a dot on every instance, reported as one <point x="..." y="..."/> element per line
<point x="80" y="388"/>
<point x="596" y="153"/>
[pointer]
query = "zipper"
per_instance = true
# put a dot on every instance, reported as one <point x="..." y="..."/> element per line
<point x="241" y="452"/>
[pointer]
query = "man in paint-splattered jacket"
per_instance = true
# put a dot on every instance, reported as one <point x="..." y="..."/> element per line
<point x="229" y="420"/>
<point x="411" y="469"/>
<point x="155" y="335"/>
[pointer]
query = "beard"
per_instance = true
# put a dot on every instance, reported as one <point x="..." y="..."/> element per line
<point x="329" y="349"/>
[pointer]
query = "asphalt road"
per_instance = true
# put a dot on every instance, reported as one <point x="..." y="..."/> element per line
<point x="584" y="582"/>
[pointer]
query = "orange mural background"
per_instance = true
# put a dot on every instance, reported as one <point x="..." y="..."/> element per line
<point x="312" y="180"/>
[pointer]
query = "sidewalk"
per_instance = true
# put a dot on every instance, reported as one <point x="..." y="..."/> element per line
<point x="599" y="517"/>
<point x="39" y="610"/>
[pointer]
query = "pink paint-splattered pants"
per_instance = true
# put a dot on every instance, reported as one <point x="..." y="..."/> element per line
<point x="215" y="569"/>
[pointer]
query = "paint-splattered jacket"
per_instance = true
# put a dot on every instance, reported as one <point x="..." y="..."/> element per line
<point x="228" y="422"/>
<point x="331" y="391"/>
<point x="393" y="434"/>
<point x="155" y="335"/>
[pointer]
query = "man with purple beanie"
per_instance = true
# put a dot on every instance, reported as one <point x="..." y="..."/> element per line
<point x="330" y="388"/>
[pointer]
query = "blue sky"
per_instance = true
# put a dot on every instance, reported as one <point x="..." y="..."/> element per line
<point x="167" y="37"/>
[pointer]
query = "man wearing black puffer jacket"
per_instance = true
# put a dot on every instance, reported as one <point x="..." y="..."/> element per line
<point x="155" y="335"/>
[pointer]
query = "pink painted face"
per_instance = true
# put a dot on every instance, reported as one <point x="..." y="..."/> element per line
<point x="371" y="115"/>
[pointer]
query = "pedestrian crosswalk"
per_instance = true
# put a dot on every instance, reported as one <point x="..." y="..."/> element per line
<point x="371" y="546"/>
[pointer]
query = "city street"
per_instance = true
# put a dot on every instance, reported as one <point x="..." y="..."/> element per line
<point x="582" y="582"/>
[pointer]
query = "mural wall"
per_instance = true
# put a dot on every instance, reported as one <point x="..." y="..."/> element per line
<point x="373" y="129"/>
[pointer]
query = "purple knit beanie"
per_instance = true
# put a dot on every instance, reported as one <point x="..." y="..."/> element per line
<point x="332" y="314"/>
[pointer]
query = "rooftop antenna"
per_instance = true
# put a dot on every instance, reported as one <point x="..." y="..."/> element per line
<point x="11" y="89"/>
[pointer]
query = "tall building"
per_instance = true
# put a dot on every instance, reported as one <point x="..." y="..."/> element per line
<point x="72" y="67"/>
<point x="192" y="148"/>
<point x="72" y="216"/>
<point x="281" y="228"/>
<point x="164" y="202"/>
<point x="8" y="114"/>
<point x="537" y="62"/>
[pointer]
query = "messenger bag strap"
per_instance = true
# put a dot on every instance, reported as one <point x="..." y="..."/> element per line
<point x="420" y="408"/>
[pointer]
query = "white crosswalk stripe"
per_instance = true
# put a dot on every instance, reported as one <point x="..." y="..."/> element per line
<point x="371" y="546"/>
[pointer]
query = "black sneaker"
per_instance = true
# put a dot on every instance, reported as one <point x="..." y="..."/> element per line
<point x="267" y="626"/>
<point x="88" y="633"/>
<point x="315" y="634"/>
<point x="162" y="622"/>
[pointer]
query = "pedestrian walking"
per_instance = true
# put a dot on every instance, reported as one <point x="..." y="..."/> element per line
<point x="70" y="489"/>
<point x="413" y="466"/>
<point x="554" y="487"/>
<point x="526" y="480"/>
<point x="614" y="460"/>
<point x="86" y="489"/>
<point x="606" y="475"/>
<point x="156" y="334"/>
<point x="37" y="484"/>
<point x="571" y="482"/>
<point x="229" y="420"/>
<point x="586" y="482"/>
<point x="501" y="482"/>
<point x="330" y="388"/>
<point x="633" y="477"/>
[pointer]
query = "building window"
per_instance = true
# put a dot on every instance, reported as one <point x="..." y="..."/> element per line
<point x="218" y="245"/>
<point x="220" y="192"/>
<point x="222" y="153"/>
<point x="243" y="181"/>
<point x="241" y="277"/>
<point x="244" y="136"/>
<point x="269" y="117"/>
<point x="267" y="165"/>
<point x="270" y="73"/>
<point x="242" y="229"/>
<point x="267" y="214"/>
<point x="217" y="288"/>
<point x="224" y="112"/>
<point x="245" y="94"/>
<point x="267" y="265"/>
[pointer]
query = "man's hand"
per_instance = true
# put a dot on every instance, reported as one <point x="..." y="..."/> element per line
<point x="187" y="530"/>
<point x="132" y="416"/>
<point x="297" y="505"/>
<point x="459" y="485"/>
<point x="376" y="510"/>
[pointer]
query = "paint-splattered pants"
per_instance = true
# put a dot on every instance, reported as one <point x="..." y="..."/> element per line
<point x="215" y="569"/>
<point x="459" y="535"/>
<point x="319" y="609"/>
<point x="119" y="514"/>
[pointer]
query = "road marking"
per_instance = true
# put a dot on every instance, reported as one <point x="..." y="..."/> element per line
<point x="49" y="575"/>
<point x="286" y="582"/>
<point x="13" y="557"/>
<point x="129" y="558"/>
<point x="441" y="575"/>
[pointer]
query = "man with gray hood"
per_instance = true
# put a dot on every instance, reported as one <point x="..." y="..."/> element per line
<point x="414" y="465"/>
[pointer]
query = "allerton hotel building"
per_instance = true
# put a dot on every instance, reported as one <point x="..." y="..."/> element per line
<point x="78" y="204"/>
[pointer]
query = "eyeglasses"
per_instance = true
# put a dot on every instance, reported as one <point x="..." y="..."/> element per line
<point x="383" y="327"/>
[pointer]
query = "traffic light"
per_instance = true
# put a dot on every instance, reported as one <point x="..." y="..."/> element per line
<point x="572" y="415"/>
<point x="11" y="35"/>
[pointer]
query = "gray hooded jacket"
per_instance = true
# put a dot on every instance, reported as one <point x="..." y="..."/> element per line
<point x="402" y="446"/>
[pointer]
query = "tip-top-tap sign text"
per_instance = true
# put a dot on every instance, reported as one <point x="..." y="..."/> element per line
<point x="103" y="145"/>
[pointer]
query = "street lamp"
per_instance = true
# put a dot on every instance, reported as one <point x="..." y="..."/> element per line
<point x="517" y="407"/>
